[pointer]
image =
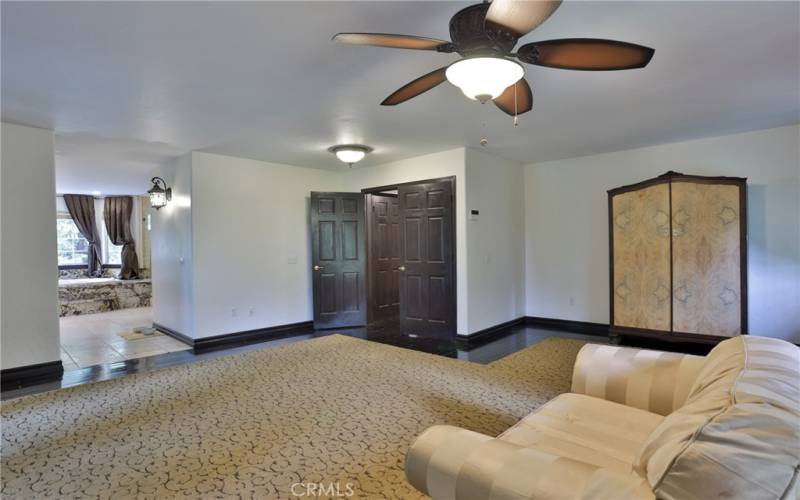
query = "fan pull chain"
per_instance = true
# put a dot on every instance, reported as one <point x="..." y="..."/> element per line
<point x="516" y="120"/>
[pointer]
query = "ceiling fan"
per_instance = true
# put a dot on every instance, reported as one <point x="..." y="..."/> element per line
<point x="485" y="35"/>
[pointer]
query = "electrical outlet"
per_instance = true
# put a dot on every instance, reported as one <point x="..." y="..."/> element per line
<point x="252" y="311"/>
<point x="572" y="301"/>
<point x="234" y="312"/>
<point x="292" y="259"/>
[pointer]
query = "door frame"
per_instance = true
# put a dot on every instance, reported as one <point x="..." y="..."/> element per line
<point x="368" y="223"/>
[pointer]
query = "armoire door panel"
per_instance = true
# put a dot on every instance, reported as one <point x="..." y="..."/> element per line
<point x="706" y="238"/>
<point x="641" y="261"/>
<point x="338" y="259"/>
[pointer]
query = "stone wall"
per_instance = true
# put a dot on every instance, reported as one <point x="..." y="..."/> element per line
<point x="108" y="272"/>
<point x="101" y="295"/>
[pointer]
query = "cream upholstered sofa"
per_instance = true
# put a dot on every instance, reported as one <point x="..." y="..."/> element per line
<point x="638" y="424"/>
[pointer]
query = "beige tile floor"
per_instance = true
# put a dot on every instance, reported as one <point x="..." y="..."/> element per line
<point x="93" y="339"/>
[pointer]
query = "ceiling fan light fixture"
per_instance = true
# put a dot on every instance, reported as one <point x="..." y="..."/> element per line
<point x="484" y="78"/>
<point x="350" y="153"/>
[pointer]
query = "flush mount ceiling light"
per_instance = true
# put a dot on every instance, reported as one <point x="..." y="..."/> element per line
<point x="350" y="153"/>
<point x="160" y="194"/>
<point x="484" y="78"/>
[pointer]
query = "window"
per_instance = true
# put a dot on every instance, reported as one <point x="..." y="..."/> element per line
<point x="113" y="252"/>
<point x="73" y="249"/>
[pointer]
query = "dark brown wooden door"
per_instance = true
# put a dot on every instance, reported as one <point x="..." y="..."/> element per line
<point x="338" y="259"/>
<point x="427" y="277"/>
<point x="383" y="213"/>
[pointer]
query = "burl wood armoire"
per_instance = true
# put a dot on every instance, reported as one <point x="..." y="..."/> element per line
<point x="678" y="256"/>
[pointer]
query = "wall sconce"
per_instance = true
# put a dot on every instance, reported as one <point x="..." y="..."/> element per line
<point x="160" y="194"/>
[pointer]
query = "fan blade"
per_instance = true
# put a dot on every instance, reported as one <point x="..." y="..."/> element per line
<point x="519" y="16"/>
<point x="523" y="102"/>
<point x="587" y="54"/>
<point x="417" y="87"/>
<point x="393" y="41"/>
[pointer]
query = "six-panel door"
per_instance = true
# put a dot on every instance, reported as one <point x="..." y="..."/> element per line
<point x="338" y="259"/>
<point x="385" y="260"/>
<point x="427" y="278"/>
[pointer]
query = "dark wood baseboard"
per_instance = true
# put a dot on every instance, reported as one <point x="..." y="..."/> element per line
<point x="228" y="340"/>
<point x="567" y="325"/>
<point x="174" y="334"/>
<point x="489" y="334"/>
<point x="23" y="376"/>
<point x="582" y="327"/>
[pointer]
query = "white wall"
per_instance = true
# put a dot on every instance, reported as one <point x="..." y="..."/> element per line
<point x="252" y="250"/>
<point x="171" y="247"/>
<point x="432" y="166"/>
<point x="28" y="265"/>
<point x="567" y="227"/>
<point x="495" y="241"/>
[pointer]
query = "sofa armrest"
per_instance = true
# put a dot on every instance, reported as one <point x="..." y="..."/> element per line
<point x="655" y="381"/>
<point x="452" y="463"/>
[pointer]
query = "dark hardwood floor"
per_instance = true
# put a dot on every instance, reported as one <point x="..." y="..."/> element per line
<point x="504" y="343"/>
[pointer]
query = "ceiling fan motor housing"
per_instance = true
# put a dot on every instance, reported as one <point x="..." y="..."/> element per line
<point x="471" y="35"/>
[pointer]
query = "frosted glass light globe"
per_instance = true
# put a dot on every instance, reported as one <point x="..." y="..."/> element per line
<point x="350" y="155"/>
<point x="484" y="78"/>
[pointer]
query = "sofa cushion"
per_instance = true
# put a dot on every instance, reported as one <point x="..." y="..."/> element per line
<point x="587" y="429"/>
<point x="738" y="435"/>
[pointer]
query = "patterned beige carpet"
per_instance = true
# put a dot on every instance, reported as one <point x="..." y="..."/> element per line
<point x="329" y="410"/>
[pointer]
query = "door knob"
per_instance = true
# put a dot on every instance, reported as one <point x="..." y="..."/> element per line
<point x="401" y="268"/>
<point x="318" y="268"/>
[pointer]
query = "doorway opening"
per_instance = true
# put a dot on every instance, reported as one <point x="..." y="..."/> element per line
<point x="105" y="314"/>
<point x="385" y="257"/>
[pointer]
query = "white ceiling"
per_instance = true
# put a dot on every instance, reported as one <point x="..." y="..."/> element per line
<point x="128" y="84"/>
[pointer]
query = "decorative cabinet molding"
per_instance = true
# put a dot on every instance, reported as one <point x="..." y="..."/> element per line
<point x="678" y="258"/>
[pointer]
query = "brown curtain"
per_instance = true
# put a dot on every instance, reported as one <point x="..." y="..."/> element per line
<point x="81" y="209"/>
<point x="117" y="213"/>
